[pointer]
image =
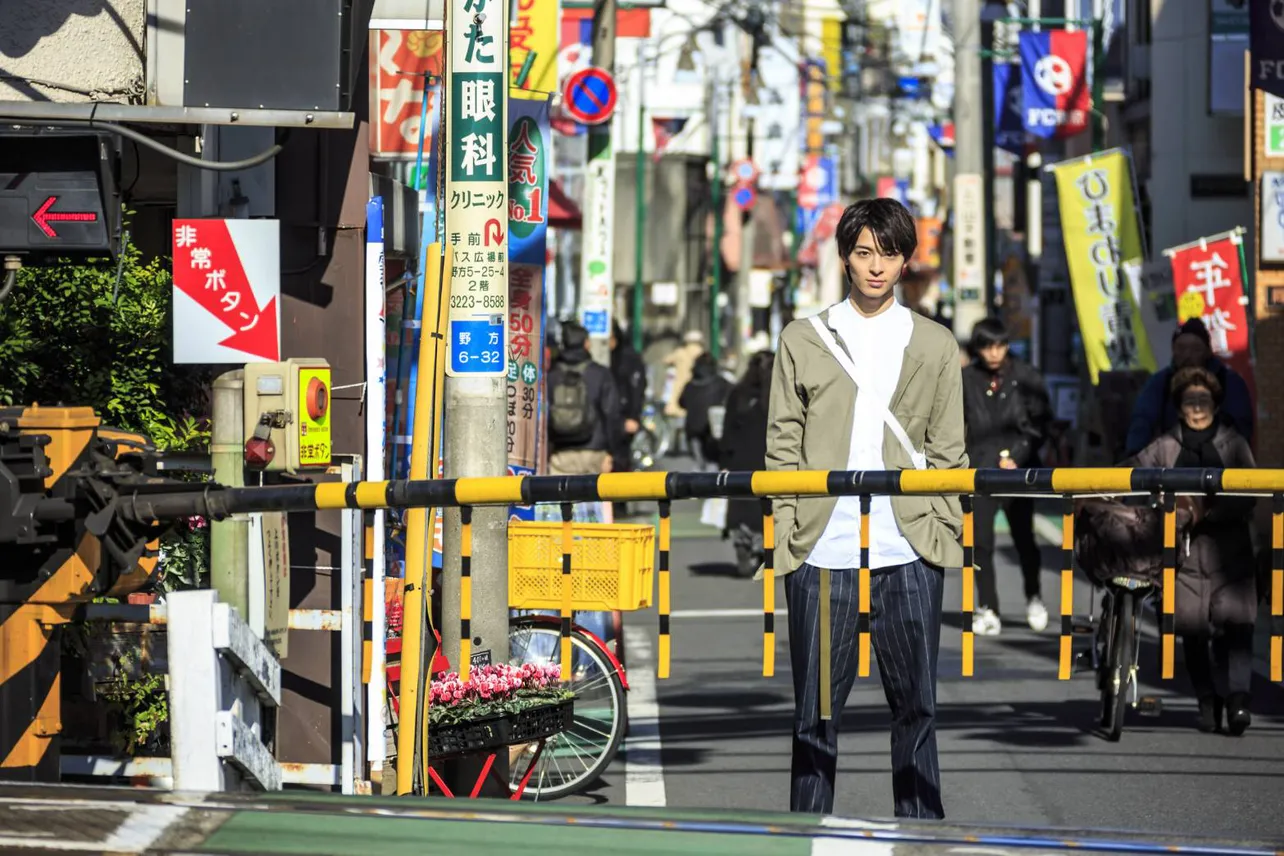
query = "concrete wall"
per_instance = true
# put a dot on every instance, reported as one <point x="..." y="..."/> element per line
<point x="1184" y="139"/>
<point x="72" y="50"/>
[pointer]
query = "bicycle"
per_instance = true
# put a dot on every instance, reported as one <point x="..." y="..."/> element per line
<point x="574" y="759"/>
<point x="1120" y="548"/>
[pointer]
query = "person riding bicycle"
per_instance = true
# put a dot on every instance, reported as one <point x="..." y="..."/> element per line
<point x="1216" y="598"/>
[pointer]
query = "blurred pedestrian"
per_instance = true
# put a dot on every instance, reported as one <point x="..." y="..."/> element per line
<point x="743" y="448"/>
<point x="1216" y="597"/>
<point x="1155" y="412"/>
<point x="1006" y="412"/>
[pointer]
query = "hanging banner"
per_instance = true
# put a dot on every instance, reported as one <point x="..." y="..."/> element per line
<point x="1056" y="99"/>
<point x="1208" y="279"/>
<point x="402" y="62"/>
<point x="1104" y="253"/>
<point x="1266" y="46"/>
<point x="1009" y="129"/>
<point x="529" y="166"/>
<point x="532" y="45"/>
<point x="476" y="197"/>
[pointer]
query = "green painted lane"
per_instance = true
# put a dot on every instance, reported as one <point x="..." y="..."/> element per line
<point x="285" y="832"/>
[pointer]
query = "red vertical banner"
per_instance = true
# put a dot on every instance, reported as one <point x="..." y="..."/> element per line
<point x="1209" y="281"/>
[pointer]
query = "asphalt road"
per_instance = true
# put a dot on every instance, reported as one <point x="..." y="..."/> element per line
<point x="1017" y="745"/>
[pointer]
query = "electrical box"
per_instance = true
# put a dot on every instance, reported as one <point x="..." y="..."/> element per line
<point x="287" y="415"/>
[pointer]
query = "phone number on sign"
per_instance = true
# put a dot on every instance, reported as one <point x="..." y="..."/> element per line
<point x="468" y="301"/>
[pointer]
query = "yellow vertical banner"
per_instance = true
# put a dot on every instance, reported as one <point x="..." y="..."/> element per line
<point x="532" y="45"/>
<point x="1104" y="252"/>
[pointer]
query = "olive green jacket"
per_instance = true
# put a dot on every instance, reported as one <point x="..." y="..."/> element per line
<point x="809" y="427"/>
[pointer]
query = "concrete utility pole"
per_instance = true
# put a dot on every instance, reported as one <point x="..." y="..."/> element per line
<point x="476" y="242"/>
<point x="969" y="155"/>
<point x="597" y="268"/>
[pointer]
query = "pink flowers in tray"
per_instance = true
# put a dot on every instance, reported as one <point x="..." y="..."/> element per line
<point x="493" y="683"/>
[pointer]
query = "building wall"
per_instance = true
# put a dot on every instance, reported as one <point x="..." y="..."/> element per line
<point x="70" y="50"/>
<point x="1184" y="139"/>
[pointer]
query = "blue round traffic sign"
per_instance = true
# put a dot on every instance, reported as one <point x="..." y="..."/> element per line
<point x="744" y="196"/>
<point x="589" y="96"/>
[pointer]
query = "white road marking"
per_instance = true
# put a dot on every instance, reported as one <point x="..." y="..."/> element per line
<point x="643" y="772"/>
<point x="1047" y="530"/>
<point x="142" y="827"/>
<point x="721" y="613"/>
<point x="848" y="845"/>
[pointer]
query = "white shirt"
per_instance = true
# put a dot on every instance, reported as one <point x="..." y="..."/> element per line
<point x="877" y="347"/>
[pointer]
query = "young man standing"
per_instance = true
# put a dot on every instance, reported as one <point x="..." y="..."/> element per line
<point x="868" y="385"/>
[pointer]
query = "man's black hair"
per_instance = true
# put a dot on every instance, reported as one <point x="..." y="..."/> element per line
<point x="890" y="222"/>
<point x="573" y="336"/>
<point x="986" y="333"/>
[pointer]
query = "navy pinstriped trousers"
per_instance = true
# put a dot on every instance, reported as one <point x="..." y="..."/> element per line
<point x="905" y="631"/>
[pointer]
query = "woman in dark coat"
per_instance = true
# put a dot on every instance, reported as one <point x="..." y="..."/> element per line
<point x="707" y="388"/>
<point x="1216" y="598"/>
<point x="744" y="449"/>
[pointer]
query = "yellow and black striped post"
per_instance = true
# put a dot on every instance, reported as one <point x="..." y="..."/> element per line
<point x="768" y="590"/>
<point x="862" y="620"/>
<point x="662" y="666"/>
<point x="1167" y="618"/>
<point x="1067" y="589"/>
<point x="465" y="590"/>
<point x="1277" y="588"/>
<point x="568" y="545"/>
<point x="969" y="546"/>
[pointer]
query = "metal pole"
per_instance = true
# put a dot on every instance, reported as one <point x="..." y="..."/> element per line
<point x="597" y="307"/>
<point x="968" y="199"/>
<point x="1098" y="88"/>
<point x="229" y="539"/>
<point x="987" y="155"/>
<point x="715" y="314"/>
<point x="639" y="215"/>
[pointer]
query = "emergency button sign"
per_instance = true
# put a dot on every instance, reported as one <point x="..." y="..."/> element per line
<point x="227" y="284"/>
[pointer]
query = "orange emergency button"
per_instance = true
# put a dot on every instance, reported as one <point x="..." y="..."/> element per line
<point x="318" y="399"/>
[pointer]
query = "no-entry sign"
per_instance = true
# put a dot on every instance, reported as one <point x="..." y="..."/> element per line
<point x="589" y="96"/>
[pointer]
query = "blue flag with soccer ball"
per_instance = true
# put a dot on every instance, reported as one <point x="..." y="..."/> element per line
<point x="1009" y="130"/>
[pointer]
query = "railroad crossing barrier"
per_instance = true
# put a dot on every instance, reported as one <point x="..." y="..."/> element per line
<point x="1065" y="484"/>
<point x="665" y="488"/>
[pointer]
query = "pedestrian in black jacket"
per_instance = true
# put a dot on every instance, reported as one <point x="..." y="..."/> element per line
<point x="583" y="409"/>
<point x="629" y="372"/>
<point x="1006" y="413"/>
<point x="707" y="388"/>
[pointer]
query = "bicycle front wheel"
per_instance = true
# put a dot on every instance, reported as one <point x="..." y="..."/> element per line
<point x="1120" y="656"/>
<point x="574" y="759"/>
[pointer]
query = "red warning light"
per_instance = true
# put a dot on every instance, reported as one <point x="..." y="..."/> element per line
<point x="43" y="217"/>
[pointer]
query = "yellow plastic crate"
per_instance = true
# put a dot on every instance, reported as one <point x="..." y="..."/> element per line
<point x="612" y="566"/>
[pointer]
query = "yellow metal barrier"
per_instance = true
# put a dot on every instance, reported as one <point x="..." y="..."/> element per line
<point x="1064" y="483"/>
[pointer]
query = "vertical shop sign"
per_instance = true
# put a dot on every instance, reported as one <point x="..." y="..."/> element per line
<point x="528" y="175"/>
<point x="476" y="195"/>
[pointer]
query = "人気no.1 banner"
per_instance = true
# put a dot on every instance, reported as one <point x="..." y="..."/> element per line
<point x="1056" y="98"/>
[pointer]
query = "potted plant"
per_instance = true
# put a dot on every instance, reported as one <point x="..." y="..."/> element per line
<point x="499" y="705"/>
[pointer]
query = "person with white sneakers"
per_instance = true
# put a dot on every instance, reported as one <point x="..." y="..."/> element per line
<point x="1005" y="412"/>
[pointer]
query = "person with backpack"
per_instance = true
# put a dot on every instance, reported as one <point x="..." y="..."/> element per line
<point x="584" y="416"/>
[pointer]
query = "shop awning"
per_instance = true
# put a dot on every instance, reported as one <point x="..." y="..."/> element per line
<point x="563" y="213"/>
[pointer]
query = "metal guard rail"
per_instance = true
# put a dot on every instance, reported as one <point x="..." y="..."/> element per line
<point x="1065" y="483"/>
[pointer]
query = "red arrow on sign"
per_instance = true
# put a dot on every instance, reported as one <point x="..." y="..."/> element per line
<point x="43" y="217"/>
<point x="208" y="269"/>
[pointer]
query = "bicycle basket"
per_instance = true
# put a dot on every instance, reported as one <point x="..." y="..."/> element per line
<point x="1113" y="539"/>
